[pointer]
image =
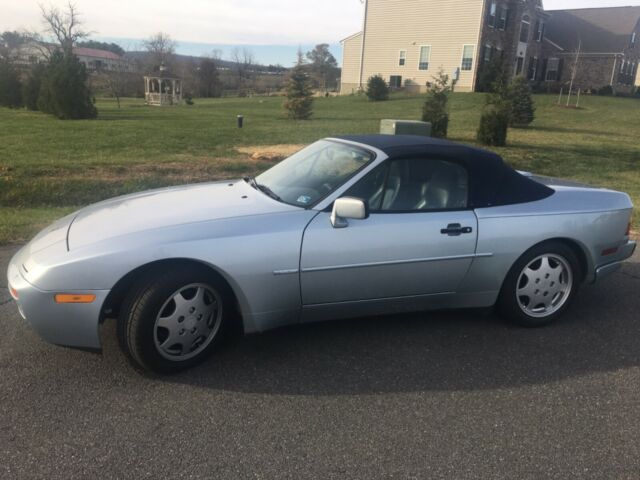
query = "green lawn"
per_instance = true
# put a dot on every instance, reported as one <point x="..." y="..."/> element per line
<point x="49" y="167"/>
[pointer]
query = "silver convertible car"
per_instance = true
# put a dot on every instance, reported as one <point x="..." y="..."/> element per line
<point x="349" y="226"/>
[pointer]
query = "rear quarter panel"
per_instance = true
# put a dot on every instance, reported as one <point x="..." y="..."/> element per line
<point x="593" y="219"/>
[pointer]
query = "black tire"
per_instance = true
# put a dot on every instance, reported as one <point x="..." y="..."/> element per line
<point x="140" y="309"/>
<point x="508" y="302"/>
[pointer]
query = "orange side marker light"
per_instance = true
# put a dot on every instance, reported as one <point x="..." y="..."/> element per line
<point x="71" y="298"/>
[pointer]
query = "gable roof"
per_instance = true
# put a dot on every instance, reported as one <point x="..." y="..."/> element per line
<point x="602" y="30"/>
<point x="350" y="37"/>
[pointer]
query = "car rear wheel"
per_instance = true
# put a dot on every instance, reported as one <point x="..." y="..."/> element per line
<point x="541" y="285"/>
<point x="174" y="320"/>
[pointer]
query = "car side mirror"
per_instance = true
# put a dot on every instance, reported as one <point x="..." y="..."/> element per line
<point x="348" y="208"/>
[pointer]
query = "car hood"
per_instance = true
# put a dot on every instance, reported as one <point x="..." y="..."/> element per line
<point x="168" y="207"/>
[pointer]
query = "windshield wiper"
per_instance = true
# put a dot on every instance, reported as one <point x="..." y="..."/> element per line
<point x="268" y="191"/>
<point x="251" y="181"/>
<point x="263" y="188"/>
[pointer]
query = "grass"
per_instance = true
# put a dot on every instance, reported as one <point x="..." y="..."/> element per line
<point x="49" y="167"/>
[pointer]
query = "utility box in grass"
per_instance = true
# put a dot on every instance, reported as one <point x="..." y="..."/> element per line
<point x="405" y="127"/>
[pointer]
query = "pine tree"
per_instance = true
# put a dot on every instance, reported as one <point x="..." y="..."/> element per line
<point x="32" y="86"/>
<point x="495" y="119"/>
<point x="299" y="103"/>
<point x="10" y="87"/>
<point x="435" y="109"/>
<point x="64" y="92"/>
<point x="522" y="108"/>
<point x="377" y="89"/>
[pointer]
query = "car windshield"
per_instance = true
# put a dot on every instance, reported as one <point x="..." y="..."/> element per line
<point x="313" y="173"/>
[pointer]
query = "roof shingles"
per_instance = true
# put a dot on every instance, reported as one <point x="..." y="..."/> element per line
<point x="602" y="30"/>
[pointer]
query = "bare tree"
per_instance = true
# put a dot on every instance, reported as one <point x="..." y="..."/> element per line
<point x="216" y="55"/>
<point x="65" y="26"/>
<point x="117" y="79"/>
<point x="243" y="60"/>
<point x="574" y="69"/>
<point x="323" y="66"/>
<point x="162" y="49"/>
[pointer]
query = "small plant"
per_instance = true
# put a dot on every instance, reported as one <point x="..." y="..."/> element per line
<point x="299" y="102"/>
<point x="522" y="107"/>
<point x="489" y="73"/>
<point x="496" y="116"/>
<point x="377" y="89"/>
<point x="188" y="99"/>
<point x="10" y="87"/>
<point x="494" y="124"/>
<point x="435" y="109"/>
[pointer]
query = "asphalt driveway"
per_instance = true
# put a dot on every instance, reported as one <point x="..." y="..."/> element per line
<point x="456" y="395"/>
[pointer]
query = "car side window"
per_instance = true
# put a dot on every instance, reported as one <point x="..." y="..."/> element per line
<point x="414" y="185"/>
<point x="371" y="187"/>
<point x="424" y="185"/>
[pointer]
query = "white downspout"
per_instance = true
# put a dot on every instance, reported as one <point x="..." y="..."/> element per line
<point x="615" y="66"/>
<point x="364" y="36"/>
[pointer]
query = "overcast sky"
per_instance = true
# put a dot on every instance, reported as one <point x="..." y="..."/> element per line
<point x="197" y="23"/>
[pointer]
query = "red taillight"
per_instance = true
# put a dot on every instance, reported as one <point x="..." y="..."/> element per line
<point x="13" y="292"/>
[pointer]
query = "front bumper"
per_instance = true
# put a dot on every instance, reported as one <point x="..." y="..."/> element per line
<point x="69" y="325"/>
<point x="623" y="254"/>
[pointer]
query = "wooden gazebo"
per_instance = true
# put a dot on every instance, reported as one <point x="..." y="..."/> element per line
<point x="162" y="88"/>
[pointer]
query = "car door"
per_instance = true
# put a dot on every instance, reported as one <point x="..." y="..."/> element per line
<point x="419" y="239"/>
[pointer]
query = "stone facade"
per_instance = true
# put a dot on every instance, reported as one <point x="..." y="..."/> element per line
<point x="514" y="30"/>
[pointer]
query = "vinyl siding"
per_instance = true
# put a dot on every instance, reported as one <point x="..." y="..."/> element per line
<point x="394" y="25"/>
<point x="352" y="49"/>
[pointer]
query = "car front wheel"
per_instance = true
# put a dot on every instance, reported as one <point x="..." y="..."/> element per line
<point x="173" y="320"/>
<point x="541" y="285"/>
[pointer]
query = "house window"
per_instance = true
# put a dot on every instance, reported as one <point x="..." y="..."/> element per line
<point x="552" y="70"/>
<point x="395" y="81"/>
<point x="622" y="65"/>
<point x="633" y="39"/>
<point x="488" y="49"/>
<point x="524" y="29"/>
<point x="534" y="63"/>
<point x="502" y="18"/>
<point x="539" y="30"/>
<point x="519" y="65"/>
<point x="425" y="54"/>
<point x="403" y="58"/>
<point x="492" y="14"/>
<point x="467" y="57"/>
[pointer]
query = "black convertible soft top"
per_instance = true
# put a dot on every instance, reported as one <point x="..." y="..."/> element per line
<point x="492" y="181"/>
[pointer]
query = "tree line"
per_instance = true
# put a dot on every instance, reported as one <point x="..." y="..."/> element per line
<point x="59" y="85"/>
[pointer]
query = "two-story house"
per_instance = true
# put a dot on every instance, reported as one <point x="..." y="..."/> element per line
<point x="409" y="41"/>
<point x="602" y="46"/>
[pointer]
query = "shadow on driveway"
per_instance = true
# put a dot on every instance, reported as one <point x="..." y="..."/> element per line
<point x="433" y="352"/>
